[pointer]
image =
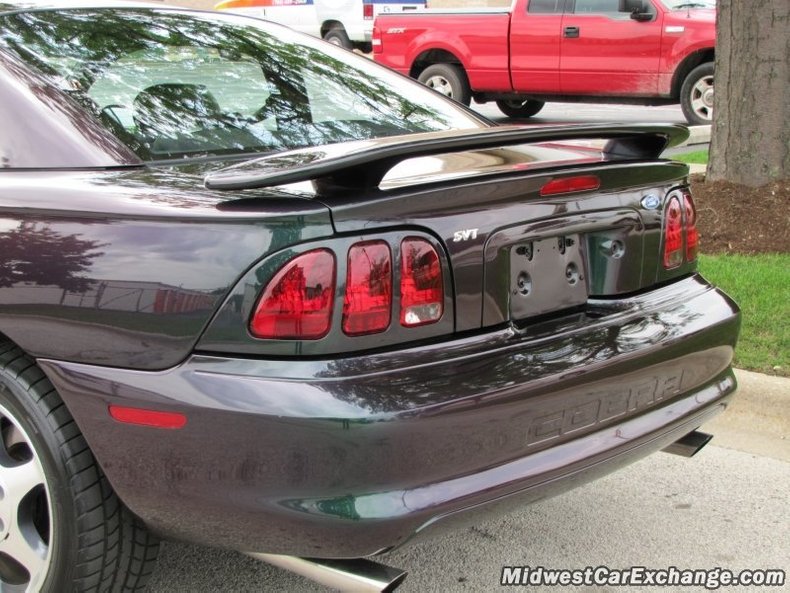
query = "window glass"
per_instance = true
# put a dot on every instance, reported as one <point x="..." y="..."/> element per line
<point x="546" y="6"/>
<point x="172" y="84"/>
<point x="683" y="4"/>
<point x="597" y="6"/>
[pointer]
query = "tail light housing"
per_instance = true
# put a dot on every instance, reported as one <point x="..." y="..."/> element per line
<point x="421" y="285"/>
<point x="297" y="303"/>
<point x="367" y="306"/>
<point x="690" y="224"/>
<point x="376" y="41"/>
<point x="367" y="11"/>
<point x="681" y="238"/>
<point x="673" y="233"/>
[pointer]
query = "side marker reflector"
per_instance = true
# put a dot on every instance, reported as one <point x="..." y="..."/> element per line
<point x="153" y="418"/>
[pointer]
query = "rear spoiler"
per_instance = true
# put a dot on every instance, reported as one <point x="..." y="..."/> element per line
<point x="361" y="165"/>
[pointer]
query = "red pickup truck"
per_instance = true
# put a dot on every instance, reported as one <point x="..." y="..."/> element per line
<point x="648" y="52"/>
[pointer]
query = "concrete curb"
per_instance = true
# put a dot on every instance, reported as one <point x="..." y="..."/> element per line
<point x="758" y="420"/>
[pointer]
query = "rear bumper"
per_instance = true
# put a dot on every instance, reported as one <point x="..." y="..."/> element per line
<point x="349" y="457"/>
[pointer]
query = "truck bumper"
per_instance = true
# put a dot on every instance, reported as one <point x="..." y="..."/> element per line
<point x="354" y="456"/>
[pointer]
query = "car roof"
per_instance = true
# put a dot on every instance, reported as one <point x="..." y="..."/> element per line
<point x="24" y="5"/>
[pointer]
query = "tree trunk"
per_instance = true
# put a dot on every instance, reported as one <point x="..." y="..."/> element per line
<point x="750" y="139"/>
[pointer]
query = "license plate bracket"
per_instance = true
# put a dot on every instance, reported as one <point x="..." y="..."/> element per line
<point x="546" y="275"/>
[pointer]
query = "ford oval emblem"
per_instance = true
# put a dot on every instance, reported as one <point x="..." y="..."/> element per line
<point x="651" y="202"/>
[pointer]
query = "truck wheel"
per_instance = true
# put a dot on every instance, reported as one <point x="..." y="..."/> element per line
<point x="62" y="528"/>
<point x="696" y="95"/>
<point x="449" y="80"/>
<point x="520" y="108"/>
<point x="338" y="36"/>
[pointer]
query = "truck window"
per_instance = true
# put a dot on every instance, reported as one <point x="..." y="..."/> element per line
<point x="597" y="6"/>
<point x="546" y="6"/>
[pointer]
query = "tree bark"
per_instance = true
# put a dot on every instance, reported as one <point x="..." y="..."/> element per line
<point x="750" y="138"/>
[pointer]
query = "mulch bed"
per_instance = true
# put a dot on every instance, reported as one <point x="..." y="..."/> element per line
<point x="738" y="219"/>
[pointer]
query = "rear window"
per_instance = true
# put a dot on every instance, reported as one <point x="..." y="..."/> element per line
<point x="177" y="84"/>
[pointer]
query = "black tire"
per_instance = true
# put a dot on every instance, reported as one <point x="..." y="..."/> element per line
<point x="338" y="36"/>
<point x="520" y="107"/>
<point x="91" y="542"/>
<point x="449" y="80"/>
<point x="696" y="95"/>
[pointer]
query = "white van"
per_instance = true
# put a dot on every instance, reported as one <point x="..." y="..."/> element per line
<point x="348" y="23"/>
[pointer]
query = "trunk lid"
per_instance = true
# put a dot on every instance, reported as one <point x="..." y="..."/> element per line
<point x="514" y="254"/>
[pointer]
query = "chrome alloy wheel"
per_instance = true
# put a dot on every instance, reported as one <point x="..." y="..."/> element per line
<point x="440" y="84"/>
<point x="25" y="510"/>
<point x="702" y="98"/>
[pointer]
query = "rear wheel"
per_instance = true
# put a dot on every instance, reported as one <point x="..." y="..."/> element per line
<point x="338" y="36"/>
<point x="520" y="107"/>
<point x="696" y="95"/>
<point x="449" y="80"/>
<point x="62" y="528"/>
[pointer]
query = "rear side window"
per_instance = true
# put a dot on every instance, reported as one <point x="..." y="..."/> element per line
<point x="546" y="6"/>
<point x="176" y="84"/>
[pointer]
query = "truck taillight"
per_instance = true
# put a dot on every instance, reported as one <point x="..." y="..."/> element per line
<point x="692" y="236"/>
<point x="421" y="285"/>
<point x="367" y="11"/>
<point x="297" y="303"/>
<point x="376" y="41"/>
<point x="673" y="234"/>
<point x="367" y="304"/>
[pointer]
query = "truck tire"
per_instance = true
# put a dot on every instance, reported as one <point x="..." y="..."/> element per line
<point x="63" y="528"/>
<point x="338" y="36"/>
<point x="448" y="79"/>
<point x="519" y="108"/>
<point x="696" y="95"/>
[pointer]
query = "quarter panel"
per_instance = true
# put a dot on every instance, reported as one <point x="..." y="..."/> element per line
<point x="127" y="268"/>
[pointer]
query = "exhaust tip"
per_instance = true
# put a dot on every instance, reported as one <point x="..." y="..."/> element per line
<point x="359" y="575"/>
<point x="689" y="445"/>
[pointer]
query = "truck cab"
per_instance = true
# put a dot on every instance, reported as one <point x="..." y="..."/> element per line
<point x="623" y="51"/>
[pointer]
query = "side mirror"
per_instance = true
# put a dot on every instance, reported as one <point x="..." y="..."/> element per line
<point x="638" y="9"/>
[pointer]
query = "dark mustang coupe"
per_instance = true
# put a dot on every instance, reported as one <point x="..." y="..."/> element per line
<point x="258" y="292"/>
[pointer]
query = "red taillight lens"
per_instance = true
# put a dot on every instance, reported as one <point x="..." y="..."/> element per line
<point x="421" y="284"/>
<point x="673" y="234"/>
<point x="568" y="185"/>
<point x="297" y="303"/>
<point x="376" y="41"/>
<point x="368" y="302"/>
<point x="692" y="236"/>
<point x="152" y="418"/>
<point x="367" y="11"/>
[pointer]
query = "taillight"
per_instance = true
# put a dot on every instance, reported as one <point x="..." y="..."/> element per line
<point x="692" y="236"/>
<point x="568" y="185"/>
<point x="376" y="41"/>
<point x="367" y="11"/>
<point x="421" y="285"/>
<point x="368" y="302"/>
<point x="673" y="234"/>
<point x="297" y="303"/>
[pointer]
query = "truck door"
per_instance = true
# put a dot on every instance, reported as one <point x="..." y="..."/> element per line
<point x="535" y="45"/>
<point x="604" y="51"/>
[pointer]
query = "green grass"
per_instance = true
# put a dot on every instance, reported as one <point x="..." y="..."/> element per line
<point x="760" y="284"/>
<point x="698" y="157"/>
